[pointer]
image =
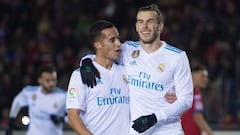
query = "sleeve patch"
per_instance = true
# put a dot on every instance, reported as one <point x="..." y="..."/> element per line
<point x="72" y="93"/>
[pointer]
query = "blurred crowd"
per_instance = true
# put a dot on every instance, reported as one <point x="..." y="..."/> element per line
<point x="36" y="32"/>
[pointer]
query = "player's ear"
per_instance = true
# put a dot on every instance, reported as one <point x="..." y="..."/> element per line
<point x="161" y="25"/>
<point x="97" y="45"/>
<point x="136" y="27"/>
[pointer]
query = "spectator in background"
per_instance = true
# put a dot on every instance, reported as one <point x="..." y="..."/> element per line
<point x="193" y="121"/>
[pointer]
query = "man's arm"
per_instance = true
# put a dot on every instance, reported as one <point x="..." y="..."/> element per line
<point x="183" y="88"/>
<point x="76" y="123"/>
<point x="18" y="102"/>
<point x="75" y="102"/>
<point x="202" y="124"/>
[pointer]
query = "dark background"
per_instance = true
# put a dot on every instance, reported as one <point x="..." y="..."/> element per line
<point x="36" y="32"/>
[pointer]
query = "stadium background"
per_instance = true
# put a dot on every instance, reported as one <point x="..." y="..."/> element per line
<point x="35" y="32"/>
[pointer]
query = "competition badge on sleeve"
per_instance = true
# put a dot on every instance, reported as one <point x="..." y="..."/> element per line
<point x="72" y="92"/>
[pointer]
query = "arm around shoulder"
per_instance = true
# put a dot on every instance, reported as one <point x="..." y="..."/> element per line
<point x="183" y="88"/>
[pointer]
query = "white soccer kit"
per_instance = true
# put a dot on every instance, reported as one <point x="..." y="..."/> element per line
<point x="105" y="108"/>
<point x="41" y="106"/>
<point x="150" y="77"/>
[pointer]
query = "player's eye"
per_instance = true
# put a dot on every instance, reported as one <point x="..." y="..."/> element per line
<point x="150" y="21"/>
<point x="140" y="21"/>
<point x="112" y="40"/>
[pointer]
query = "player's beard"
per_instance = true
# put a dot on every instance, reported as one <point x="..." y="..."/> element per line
<point x="48" y="89"/>
<point x="152" y="38"/>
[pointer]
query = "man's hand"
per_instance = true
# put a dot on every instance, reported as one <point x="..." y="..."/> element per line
<point x="56" y="119"/>
<point x="9" y="130"/>
<point x="143" y="123"/>
<point x="171" y="97"/>
<point x="89" y="73"/>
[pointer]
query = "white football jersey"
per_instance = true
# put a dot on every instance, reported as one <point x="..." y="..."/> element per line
<point x="150" y="77"/>
<point x="41" y="106"/>
<point x="104" y="108"/>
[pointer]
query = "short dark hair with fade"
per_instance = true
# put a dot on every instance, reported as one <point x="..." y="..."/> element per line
<point x="198" y="67"/>
<point x="95" y="31"/>
<point x="152" y="7"/>
<point x="46" y="68"/>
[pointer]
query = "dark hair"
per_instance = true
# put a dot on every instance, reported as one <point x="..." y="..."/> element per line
<point x="198" y="67"/>
<point x="46" y="68"/>
<point x="95" y="31"/>
<point x="152" y="7"/>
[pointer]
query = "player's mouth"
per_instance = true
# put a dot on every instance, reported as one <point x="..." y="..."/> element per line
<point x="118" y="50"/>
<point x="146" y="33"/>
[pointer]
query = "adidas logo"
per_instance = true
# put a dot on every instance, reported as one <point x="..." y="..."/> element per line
<point x="99" y="81"/>
<point x="133" y="62"/>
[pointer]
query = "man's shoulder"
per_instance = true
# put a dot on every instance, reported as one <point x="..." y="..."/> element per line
<point x="119" y="67"/>
<point x="131" y="44"/>
<point x="60" y="90"/>
<point x="31" y="88"/>
<point x="173" y="52"/>
<point x="172" y="49"/>
<point x="76" y="71"/>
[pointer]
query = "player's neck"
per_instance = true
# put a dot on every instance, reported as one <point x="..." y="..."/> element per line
<point x="106" y="63"/>
<point x="151" y="47"/>
<point x="44" y="91"/>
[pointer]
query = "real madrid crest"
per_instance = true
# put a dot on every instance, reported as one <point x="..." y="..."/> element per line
<point x="124" y="78"/>
<point x="135" y="53"/>
<point x="55" y="105"/>
<point x="34" y="97"/>
<point x="161" y="67"/>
